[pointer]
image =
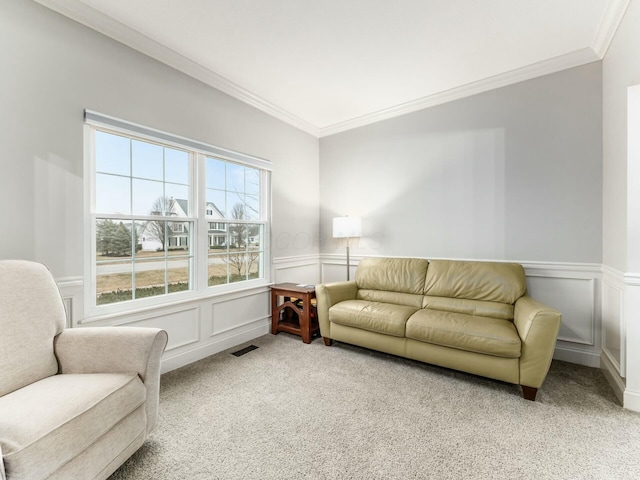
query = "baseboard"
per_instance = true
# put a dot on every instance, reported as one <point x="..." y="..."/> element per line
<point x="631" y="400"/>
<point x="219" y="343"/>
<point x="588" y="359"/>
<point x="611" y="374"/>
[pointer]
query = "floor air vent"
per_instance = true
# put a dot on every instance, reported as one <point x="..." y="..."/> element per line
<point x="244" y="350"/>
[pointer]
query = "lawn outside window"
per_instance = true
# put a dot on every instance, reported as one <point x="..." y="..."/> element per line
<point x="169" y="218"/>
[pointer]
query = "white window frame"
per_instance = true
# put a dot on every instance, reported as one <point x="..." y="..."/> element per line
<point x="200" y="247"/>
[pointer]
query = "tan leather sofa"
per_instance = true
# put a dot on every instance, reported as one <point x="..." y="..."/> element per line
<point x="470" y="316"/>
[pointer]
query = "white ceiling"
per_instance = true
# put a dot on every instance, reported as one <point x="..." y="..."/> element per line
<point x="330" y="65"/>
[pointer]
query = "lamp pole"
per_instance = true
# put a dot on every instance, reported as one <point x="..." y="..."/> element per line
<point x="348" y="261"/>
<point x="347" y="227"/>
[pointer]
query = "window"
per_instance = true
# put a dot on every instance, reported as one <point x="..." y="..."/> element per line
<point x="216" y="225"/>
<point x="148" y="217"/>
<point x="233" y="193"/>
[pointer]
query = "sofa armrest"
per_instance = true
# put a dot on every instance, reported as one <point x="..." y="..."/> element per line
<point x="115" y="350"/>
<point x="327" y="295"/>
<point x="538" y="327"/>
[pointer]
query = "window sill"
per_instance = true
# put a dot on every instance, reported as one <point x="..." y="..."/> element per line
<point x="109" y="312"/>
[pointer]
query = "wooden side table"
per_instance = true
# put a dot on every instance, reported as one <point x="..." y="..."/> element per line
<point x="297" y="317"/>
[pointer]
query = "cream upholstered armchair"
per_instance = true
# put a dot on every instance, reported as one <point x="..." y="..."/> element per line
<point x="74" y="403"/>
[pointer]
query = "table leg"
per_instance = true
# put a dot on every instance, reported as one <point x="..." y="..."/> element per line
<point x="305" y="319"/>
<point x="275" y="313"/>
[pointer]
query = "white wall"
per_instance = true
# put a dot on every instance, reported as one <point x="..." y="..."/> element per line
<point x="511" y="174"/>
<point x="621" y="69"/>
<point x="54" y="68"/>
<point x="621" y="214"/>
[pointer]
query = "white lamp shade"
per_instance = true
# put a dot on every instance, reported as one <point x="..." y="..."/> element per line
<point x="347" y="227"/>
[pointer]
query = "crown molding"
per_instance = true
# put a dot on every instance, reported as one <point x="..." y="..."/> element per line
<point x="609" y="26"/>
<point x="546" y="67"/>
<point x="106" y="25"/>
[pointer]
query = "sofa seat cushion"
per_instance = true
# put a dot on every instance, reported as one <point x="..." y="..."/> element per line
<point x="491" y="336"/>
<point x="48" y="423"/>
<point x="373" y="316"/>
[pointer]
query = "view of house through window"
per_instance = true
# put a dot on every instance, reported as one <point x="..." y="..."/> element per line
<point x="146" y="222"/>
<point x="233" y="204"/>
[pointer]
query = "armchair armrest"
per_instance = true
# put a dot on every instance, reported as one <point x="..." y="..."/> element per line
<point x="538" y="327"/>
<point x="115" y="350"/>
<point x="327" y="295"/>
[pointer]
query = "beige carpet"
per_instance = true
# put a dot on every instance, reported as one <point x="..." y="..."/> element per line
<point x="293" y="411"/>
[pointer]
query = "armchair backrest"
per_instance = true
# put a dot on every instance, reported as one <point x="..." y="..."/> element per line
<point x="31" y="315"/>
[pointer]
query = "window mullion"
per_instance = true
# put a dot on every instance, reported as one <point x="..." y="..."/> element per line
<point x="201" y="263"/>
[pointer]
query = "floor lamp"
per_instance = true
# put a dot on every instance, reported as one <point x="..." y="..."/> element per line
<point x="347" y="227"/>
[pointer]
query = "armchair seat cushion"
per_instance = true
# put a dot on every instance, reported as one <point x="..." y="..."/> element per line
<point x="373" y="316"/>
<point x="491" y="336"/>
<point x="49" y="422"/>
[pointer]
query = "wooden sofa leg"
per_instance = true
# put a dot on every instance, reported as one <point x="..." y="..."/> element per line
<point x="529" y="393"/>
<point x="327" y="341"/>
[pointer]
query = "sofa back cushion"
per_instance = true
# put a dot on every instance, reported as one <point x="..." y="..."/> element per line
<point x="483" y="281"/>
<point x="402" y="275"/>
<point x="31" y="315"/>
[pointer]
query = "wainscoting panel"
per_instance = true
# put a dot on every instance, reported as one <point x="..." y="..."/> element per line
<point x="182" y="325"/>
<point x="296" y="270"/>
<point x="205" y="326"/>
<point x="196" y="328"/>
<point x="234" y="312"/>
<point x="575" y="298"/>
<point x="613" y="345"/>
<point x="574" y="290"/>
<point x="334" y="268"/>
